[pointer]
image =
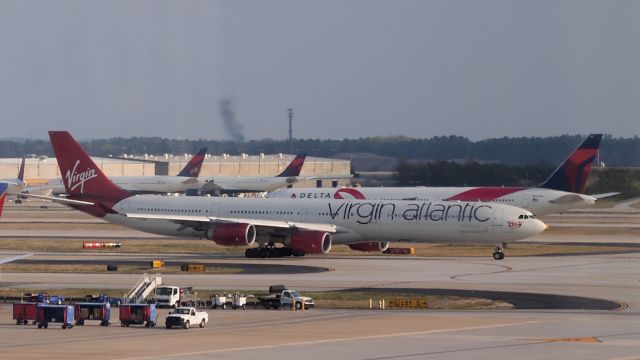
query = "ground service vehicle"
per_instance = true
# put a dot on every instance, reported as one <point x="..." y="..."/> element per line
<point x="184" y="317"/>
<point x="239" y="301"/>
<point x="280" y="296"/>
<point x="138" y="314"/>
<point x="220" y="300"/>
<point x="102" y="298"/>
<point x="47" y="313"/>
<point x="24" y="312"/>
<point x="173" y="296"/>
<point x="93" y="311"/>
<point x="45" y="298"/>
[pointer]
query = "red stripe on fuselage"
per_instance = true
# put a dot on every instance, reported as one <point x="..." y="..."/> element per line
<point x="485" y="193"/>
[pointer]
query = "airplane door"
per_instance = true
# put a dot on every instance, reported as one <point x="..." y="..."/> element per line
<point x="303" y="215"/>
<point x="497" y="217"/>
<point x="214" y="211"/>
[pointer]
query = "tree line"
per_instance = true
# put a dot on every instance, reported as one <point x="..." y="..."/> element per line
<point x="519" y="151"/>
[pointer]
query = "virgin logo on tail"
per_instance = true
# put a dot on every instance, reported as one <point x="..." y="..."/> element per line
<point x="75" y="179"/>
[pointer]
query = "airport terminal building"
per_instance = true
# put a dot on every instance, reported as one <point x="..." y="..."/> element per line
<point x="39" y="170"/>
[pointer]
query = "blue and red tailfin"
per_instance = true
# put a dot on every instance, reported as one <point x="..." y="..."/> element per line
<point x="294" y="166"/>
<point x="21" y="171"/>
<point x="192" y="169"/>
<point x="82" y="178"/>
<point x="3" y="195"/>
<point x="572" y="175"/>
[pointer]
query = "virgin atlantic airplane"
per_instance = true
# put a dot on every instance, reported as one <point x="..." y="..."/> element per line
<point x="304" y="226"/>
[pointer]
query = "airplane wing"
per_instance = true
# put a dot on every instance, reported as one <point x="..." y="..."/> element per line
<point x="325" y="177"/>
<point x="605" y="195"/>
<point x="275" y="224"/>
<point x="58" y="200"/>
<point x="571" y="198"/>
<point x="13" y="258"/>
<point x="191" y="181"/>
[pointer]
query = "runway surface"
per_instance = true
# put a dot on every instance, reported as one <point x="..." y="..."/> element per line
<point x="365" y="334"/>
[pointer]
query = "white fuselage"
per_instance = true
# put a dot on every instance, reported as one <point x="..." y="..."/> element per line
<point x="244" y="183"/>
<point x="356" y="220"/>
<point x="140" y="184"/>
<point x="539" y="201"/>
<point x="15" y="186"/>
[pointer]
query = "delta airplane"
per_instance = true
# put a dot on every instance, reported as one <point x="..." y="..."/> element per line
<point x="16" y="186"/>
<point x="304" y="226"/>
<point x="562" y="191"/>
<point x="158" y="184"/>
<point x="245" y="184"/>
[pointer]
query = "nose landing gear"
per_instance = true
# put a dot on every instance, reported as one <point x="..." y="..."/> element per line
<point x="498" y="252"/>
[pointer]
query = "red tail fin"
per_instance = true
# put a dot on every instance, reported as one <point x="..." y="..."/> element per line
<point x="294" y="167"/>
<point x="82" y="178"/>
<point x="192" y="169"/>
<point x="572" y="175"/>
<point x="3" y="195"/>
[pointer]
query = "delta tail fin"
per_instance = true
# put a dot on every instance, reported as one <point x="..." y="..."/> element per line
<point x="82" y="178"/>
<point x="295" y="166"/>
<point x="572" y="175"/>
<point x="21" y="171"/>
<point x="192" y="169"/>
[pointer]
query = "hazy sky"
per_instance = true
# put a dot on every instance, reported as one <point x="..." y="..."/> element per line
<point x="349" y="68"/>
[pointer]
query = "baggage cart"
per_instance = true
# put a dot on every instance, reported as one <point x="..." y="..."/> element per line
<point x="93" y="311"/>
<point x="138" y="314"/>
<point x="49" y="313"/>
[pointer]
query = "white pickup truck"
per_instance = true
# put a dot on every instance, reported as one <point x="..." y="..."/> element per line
<point x="185" y="317"/>
<point x="280" y="296"/>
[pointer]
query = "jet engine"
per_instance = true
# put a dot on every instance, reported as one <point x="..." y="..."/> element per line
<point x="310" y="242"/>
<point x="370" y="246"/>
<point x="232" y="234"/>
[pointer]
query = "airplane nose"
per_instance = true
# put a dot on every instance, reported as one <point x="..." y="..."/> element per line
<point x="540" y="226"/>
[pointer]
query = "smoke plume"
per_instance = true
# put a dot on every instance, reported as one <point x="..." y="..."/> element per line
<point x="231" y="125"/>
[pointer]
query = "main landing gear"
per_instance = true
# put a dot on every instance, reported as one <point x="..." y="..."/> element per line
<point x="271" y="251"/>
<point x="498" y="252"/>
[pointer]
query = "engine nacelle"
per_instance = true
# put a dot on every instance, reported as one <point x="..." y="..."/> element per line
<point x="232" y="234"/>
<point x="310" y="242"/>
<point x="370" y="246"/>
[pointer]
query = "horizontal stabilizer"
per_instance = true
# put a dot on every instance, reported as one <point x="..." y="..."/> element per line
<point x="605" y="195"/>
<point x="58" y="200"/>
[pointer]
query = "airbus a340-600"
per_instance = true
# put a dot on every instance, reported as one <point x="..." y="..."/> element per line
<point x="563" y="190"/>
<point x="305" y="226"/>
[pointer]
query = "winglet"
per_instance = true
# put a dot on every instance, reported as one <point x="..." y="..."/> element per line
<point x="3" y="195"/>
<point x="572" y="175"/>
<point x="82" y="178"/>
<point x="294" y="167"/>
<point x="192" y="169"/>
